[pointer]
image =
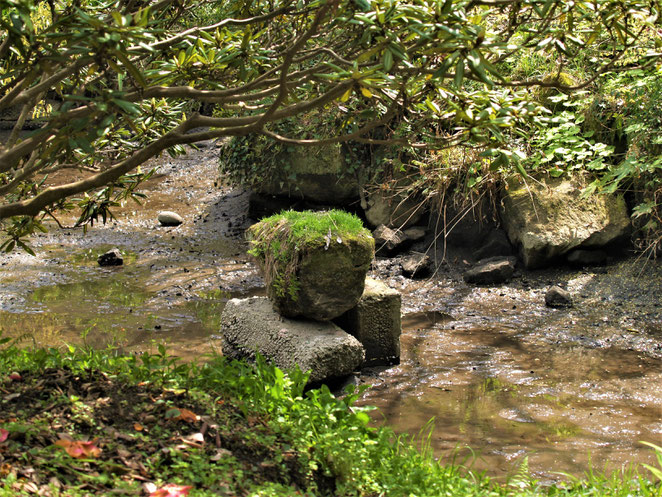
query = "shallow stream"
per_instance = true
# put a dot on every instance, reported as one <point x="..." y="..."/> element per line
<point x="494" y="369"/>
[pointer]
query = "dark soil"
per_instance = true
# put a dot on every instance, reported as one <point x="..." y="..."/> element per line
<point x="145" y="433"/>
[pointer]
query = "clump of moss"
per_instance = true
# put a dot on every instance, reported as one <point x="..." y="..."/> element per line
<point x="279" y="242"/>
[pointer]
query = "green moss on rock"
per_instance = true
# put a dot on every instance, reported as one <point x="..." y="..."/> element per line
<point x="314" y="263"/>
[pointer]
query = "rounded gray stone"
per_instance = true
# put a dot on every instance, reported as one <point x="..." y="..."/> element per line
<point x="558" y="297"/>
<point x="169" y="218"/>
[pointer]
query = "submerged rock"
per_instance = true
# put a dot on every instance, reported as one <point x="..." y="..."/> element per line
<point x="111" y="258"/>
<point x="558" y="297"/>
<point x="169" y="218"/>
<point x="416" y="265"/>
<point x="492" y="271"/>
<point x="547" y="220"/>
<point x="389" y="241"/>
<point x="250" y="326"/>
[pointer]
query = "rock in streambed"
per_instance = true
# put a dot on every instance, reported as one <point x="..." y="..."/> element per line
<point x="111" y="258"/>
<point x="250" y="326"/>
<point x="547" y="220"/>
<point x="492" y="271"/>
<point x="169" y="218"/>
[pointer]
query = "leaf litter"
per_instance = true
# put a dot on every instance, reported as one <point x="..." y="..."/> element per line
<point x="92" y="434"/>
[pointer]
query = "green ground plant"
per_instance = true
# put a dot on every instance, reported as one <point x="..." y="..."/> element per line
<point x="630" y="110"/>
<point x="223" y="428"/>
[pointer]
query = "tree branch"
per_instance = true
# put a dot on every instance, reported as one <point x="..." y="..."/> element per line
<point x="289" y="56"/>
<point x="336" y="139"/>
<point x="226" y="22"/>
<point x="45" y="85"/>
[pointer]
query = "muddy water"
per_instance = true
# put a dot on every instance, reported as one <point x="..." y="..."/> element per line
<point x="497" y="371"/>
<point x="494" y="369"/>
<point x="171" y="289"/>
<point x="134" y="307"/>
<point x="486" y="389"/>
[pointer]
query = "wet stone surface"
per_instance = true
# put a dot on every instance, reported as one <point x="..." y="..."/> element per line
<point x="496" y="369"/>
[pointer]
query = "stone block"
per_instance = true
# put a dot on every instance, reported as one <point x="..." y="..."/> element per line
<point x="375" y="322"/>
<point x="250" y="326"/>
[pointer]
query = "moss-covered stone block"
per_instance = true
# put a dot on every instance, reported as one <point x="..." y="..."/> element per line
<point x="314" y="263"/>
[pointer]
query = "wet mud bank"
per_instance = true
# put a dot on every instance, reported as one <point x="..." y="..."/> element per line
<point x="495" y="369"/>
<point x="498" y="371"/>
<point x="174" y="281"/>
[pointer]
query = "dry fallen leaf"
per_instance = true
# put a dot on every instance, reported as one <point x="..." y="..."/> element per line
<point x="138" y="427"/>
<point x="220" y="454"/>
<point x="172" y="490"/>
<point x="196" y="437"/>
<point x="30" y="487"/>
<point x="194" y="440"/>
<point x="177" y="414"/>
<point x="79" y="449"/>
<point x="122" y="452"/>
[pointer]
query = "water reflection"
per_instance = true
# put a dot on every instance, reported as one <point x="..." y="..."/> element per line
<point x="508" y="393"/>
<point x="120" y="307"/>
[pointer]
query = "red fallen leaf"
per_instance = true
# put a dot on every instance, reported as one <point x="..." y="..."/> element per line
<point x="188" y="416"/>
<point x="15" y="376"/>
<point x="3" y="435"/>
<point x="79" y="449"/>
<point x="172" y="490"/>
